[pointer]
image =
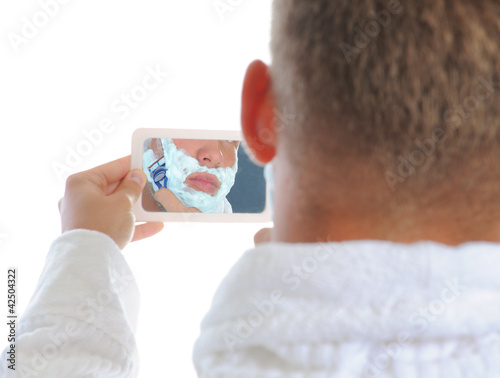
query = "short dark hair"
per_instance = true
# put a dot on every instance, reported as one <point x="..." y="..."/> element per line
<point x="409" y="84"/>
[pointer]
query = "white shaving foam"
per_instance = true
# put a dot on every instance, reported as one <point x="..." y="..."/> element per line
<point x="180" y="165"/>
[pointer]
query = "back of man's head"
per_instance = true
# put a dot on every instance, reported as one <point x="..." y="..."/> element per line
<point x="409" y="90"/>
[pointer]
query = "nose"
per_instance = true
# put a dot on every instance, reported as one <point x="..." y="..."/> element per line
<point x="210" y="154"/>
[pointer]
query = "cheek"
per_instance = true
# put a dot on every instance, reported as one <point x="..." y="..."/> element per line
<point x="186" y="146"/>
<point x="229" y="158"/>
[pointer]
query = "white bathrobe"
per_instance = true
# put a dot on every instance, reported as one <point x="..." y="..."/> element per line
<point x="356" y="309"/>
<point x="350" y="309"/>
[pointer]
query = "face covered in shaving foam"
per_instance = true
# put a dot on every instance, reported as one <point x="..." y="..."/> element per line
<point x="200" y="172"/>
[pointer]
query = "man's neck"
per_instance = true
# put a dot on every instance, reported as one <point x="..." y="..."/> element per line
<point x="301" y="218"/>
<point x="291" y="228"/>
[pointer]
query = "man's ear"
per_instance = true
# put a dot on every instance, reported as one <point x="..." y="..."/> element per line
<point x="257" y="112"/>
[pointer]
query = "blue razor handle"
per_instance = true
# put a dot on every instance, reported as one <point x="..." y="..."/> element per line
<point x="158" y="173"/>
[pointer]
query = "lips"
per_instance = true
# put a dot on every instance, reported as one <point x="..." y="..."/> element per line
<point x="204" y="182"/>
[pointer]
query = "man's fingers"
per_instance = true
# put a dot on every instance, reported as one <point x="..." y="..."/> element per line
<point x="112" y="188"/>
<point x="112" y="172"/>
<point x="170" y="202"/>
<point x="262" y="236"/>
<point x="132" y="185"/>
<point x="143" y="231"/>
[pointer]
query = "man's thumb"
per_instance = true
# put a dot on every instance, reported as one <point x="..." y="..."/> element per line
<point x="133" y="184"/>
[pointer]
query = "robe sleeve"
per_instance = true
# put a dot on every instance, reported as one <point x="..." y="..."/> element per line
<point x="81" y="319"/>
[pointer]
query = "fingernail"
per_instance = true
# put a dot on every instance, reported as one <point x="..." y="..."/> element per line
<point x="137" y="176"/>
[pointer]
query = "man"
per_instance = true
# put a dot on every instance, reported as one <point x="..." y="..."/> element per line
<point x="383" y="259"/>
<point x="189" y="175"/>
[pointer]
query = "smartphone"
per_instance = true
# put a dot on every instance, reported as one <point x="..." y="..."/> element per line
<point x="198" y="176"/>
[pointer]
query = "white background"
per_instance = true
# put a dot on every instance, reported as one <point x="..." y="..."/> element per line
<point x="63" y="81"/>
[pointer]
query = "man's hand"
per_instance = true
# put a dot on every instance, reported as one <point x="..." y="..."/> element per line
<point x="101" y="199"/>
<point x="171" y="203"/>
<point x="262" y="236"/>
